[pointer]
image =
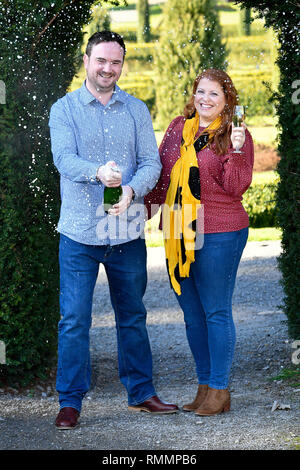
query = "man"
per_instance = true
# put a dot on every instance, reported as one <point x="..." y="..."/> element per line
<point x="93" y="129"/>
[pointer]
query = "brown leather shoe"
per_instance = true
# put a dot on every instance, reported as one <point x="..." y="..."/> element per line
<point x="67" y="418"/>
<point x="216" y="401"/>
<point x="155" y="406"/>
<point x="201" y="394"/>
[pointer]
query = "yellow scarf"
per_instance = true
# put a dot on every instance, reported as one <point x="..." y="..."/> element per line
<point x="183" y="202"/>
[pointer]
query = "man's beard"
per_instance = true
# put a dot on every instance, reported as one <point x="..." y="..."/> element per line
<point x="100" y="87"/>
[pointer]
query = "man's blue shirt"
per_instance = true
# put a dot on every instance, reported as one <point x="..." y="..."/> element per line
<point x="85" y="134"/>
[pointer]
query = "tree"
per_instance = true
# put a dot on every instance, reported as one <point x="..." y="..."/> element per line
<point x="245" y="19"/>
<point x="190" y="40"/>
<point x="284" y="18"/>
<point x="100" y="21"/>
<point x="39" y="47"/>
<point x="143" y="33"/>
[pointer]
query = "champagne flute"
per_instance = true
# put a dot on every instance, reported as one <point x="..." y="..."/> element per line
<point x="238" y="118"/>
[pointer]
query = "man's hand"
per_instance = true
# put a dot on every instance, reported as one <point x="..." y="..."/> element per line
<point x="124" y="203"/>
<point x="109" y="177"/>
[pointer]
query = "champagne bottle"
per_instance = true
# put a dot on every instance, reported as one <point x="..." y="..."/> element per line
<point x="112" y="195"/>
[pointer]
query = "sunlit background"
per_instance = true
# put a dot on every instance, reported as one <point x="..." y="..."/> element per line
<point x="251" y="54"/>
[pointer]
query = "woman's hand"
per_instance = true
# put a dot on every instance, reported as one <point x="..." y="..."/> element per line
<point x="238" y="136"/>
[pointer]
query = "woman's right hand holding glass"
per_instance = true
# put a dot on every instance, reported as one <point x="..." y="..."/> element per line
<point x="238" y="136"/>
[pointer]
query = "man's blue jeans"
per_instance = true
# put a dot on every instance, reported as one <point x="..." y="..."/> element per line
<point x="206" y="301"/>
<point x="125" y="266"/>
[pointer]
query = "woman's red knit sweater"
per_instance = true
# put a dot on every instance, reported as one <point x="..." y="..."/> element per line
<point x="223" y="180"/>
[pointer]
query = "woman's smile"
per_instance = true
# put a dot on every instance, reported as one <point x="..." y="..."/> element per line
<point x="209" y="100"/>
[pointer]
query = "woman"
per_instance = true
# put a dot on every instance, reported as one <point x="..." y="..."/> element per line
<point x="202" y="169"/>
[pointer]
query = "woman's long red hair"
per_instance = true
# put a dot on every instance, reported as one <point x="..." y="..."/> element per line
<point x="221" y="140"/>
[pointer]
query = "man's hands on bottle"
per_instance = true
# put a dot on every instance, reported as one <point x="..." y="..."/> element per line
<point x="112" y="178"/>
<point x="124" y="202"/>
<point x="109" y="177"/>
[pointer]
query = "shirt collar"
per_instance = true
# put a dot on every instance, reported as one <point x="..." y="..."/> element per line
<point x="87" y="97"/>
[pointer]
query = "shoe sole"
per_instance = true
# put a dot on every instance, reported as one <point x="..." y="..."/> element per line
<point x="223" y="410"/>
<point x="212" y="414"/>
<point x="137" y="409"/>
<point x="66" y="428"/>
<point x="59" y="428"/>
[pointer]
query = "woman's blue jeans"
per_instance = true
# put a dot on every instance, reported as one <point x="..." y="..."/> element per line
<point x="125" y="267"/>
<point x="206" y="301"/>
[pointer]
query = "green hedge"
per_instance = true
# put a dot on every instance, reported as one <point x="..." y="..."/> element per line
<point x="141" y="86"/>
<point x="36" y="69"/>
<point x="253" y="93"/>
<point x="260" y="203"/>
<point x="250" y="64"/>
<point x="283" y="18"/>
<point x="254" y="88"/>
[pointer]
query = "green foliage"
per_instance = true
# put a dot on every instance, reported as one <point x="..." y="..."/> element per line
<point x="143" y="89"/>
<point x="252" y="81"/>
<point x="289" y="375"/>
<point x="259" y="202"/>
<point x="254" y="52"/>
<point x="250" y="64"/>
<point x="101" y="21"/>
<point x="143" y="32"/>
<point x="39" y="49"/>
<point x="190" y="40"/>
<point x="284" y="18"/>
<point x="245" y="19"/>
<point x="254" y="92"/>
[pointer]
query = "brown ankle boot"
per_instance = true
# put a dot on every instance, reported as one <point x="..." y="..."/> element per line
<point x="201" y="394"/>
<point x="216" y="401"/>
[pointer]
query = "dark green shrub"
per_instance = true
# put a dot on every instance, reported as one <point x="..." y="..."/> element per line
<point x="38" y="48"/>
<point x="260" y="203"/>
<point x="284" y="18"/>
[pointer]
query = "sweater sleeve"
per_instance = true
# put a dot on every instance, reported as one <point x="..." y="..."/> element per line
<point x="238" y="168"/>
<point x="157" y="196"/>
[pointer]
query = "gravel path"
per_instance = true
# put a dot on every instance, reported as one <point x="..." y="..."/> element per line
<point x="263" y="349"/>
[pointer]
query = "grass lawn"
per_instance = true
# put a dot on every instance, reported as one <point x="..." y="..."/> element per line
<point x="155" y="238"/>
<point x="264" y="135"/>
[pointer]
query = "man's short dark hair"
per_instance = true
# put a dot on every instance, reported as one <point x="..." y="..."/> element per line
<point x="104" y="36"/>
